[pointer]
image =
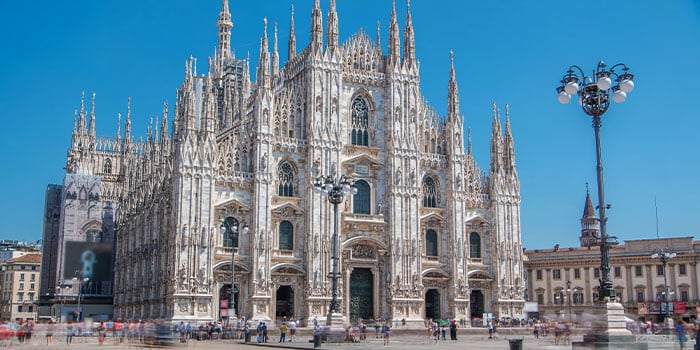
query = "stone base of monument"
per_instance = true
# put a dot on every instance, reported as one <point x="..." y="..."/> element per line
<point x="334" y="331"/>
<point x="609" y="331"/>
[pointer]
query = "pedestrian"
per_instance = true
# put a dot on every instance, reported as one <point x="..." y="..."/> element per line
<point x="680" y="332"/>
<point x="69" y="333"/>
<point x="264" y="331"/>
<point x="490" y="327"/>
<point x="49" y="333"/>
<point x="292" y="325"/>
<point x="283" y="332"/>
<point x="387" y="332"/>
<point x="453" y="330"/>
<point x="101" y="332"/>
<point x="182" y="329"/>
<point x="696" y="327"/>
<point x="536" y="331"/>
<point x="442" y="331"/>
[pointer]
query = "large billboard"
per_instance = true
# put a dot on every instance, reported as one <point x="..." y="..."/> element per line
<point x="92" y="262"/>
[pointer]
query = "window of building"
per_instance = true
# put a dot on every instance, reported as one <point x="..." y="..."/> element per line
<point x="21" y="277"/>
<point x="659" y="270"/>
<point x="31" y="286"/>
<point x="684" y="295"/>
<point x="682" y="269"/>
<point x="93" y="235"/>
<point x="556" y="274"/>
<point x="31" y="308"/>
<point x="578" y="298"/>
<point x="429" y="193"/>
<point x="640" y="296"/>
<point x="638" y="271"/>
<point x="361" y="201"/>
<point x="596" y="272"/>
<point x="360" y="122"/>
<point x="21" y="286"/>
<point x="32" y="277"/>
<point x="475" y="245"/>
<point x="229" y="226"/>
<point x="31" y="296"/>
<point x="540" y="298"/>
<point x="286" y="236"/>
<point x="538" y="275"/>
<point x="108" y="166"/>
<point x="19" y="308"/>
<point x="577" y="273"/>
<point x="431" y="243"/>
<point x="285" y="176"/>
<point x="618" y="295"/>
<point x="20" y="296"/>
<point x="559" y="297"/>
<point x="618" y="271"/>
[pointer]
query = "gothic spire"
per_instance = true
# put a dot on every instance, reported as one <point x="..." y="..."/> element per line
<point x="92" y="117"/>
<point x="264" y="61"/>
<point x="224" y="24"/>
<point x="275" y="54"/>
<point x="316" y="27"/>
<point x="81" y="116"/>
<point x="379" y="36"/>
<point x="119" y="128"/>
<point x="496" y="141"/>
<point x="409" y="42"/>
<point x="452" y="93"/>
<point x="332" y="35"/>
<point x="164" y="125"/>
<point x="589" y="223"/>
<point x="127" y="127"/>
<point x="394" y="45"/>
<point x="588" y="211"/>
<point x="292" y="45"/>
<point x="469" y="141"/>
<point x="509" y="146"/>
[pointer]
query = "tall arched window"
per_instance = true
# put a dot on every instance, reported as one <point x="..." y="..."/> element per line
<point x="474" y="245"/>
<point x="361" y="201"/>
<point x="93" y="235"/>
<point x="286" y="236"/>
<point x="229" y="226"/>
<point x="286" y="180"/>
<point x="431" y="243"/>
<point x="429" y="193"/>
<point x="107" y="169"/>
<point x="360" y="122"/>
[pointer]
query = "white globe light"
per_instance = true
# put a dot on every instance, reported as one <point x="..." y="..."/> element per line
<point x="571" y="88"/>
<point x="564" y="98"/>
<point x="627" y="85"/>
<point x="604" y="83"/>
<point x="619" y="96"/>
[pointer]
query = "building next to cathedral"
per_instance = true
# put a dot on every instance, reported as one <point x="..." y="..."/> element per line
<point x="427" y="235"/>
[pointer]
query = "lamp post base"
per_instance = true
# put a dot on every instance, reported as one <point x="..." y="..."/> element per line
<point x="334" y="330"/>
<point x="609" y="331"/>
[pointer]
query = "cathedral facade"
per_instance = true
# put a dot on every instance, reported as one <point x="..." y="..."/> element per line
<point x="428" y="233"/>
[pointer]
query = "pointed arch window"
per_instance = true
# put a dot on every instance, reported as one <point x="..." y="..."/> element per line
<point x="361" y="201"/>
<point x="474" y="245"/>
<point x="429" y="193"/>
<point x="286" y="180"/>
<point x="107" y="168"/>
<point x="286" y="236"/>
<point x="93" y="235"/>
<point x="228" y="232"/>
<point x="360" y="122"/>
<point x="431" y="243"/>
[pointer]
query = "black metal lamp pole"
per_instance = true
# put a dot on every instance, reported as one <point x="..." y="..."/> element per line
<point x="594" y="94"/>
<point x="232" y="229"/>
<point x="664" y="256"/>
<point x="335" y="189"/>
<point x="568" y="294"/>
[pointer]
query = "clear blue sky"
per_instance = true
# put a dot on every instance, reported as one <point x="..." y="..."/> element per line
<point x="511" y="52"/>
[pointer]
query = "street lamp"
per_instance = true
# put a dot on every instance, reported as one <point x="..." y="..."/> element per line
<point x="594" y="97"/>
<point x="569" y="290"/>
<point x="335" y="189"/>
<point x="60" y="288"/>
<point x="80" y="281"/>
<point x="664" y="256"/>
<point x="230" y="226"/>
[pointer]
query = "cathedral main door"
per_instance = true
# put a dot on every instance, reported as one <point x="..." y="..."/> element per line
<point x="432" y="304"/>
<point x="284" y="302"/>
<point x="225" y="299"/>
<point x="361" y="294"/>
<point x="476" y="304"/>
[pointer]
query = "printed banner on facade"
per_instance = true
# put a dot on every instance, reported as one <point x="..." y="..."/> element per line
<point x="679" y="307"/>
<point x="92" y="262"/>
<point x="642" y="308"/>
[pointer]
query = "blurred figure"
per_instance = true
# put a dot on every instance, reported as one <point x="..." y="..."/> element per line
<point x="680" y="332"/>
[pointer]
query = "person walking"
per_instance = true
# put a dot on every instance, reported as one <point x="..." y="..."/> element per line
<point x="453" y="330"/>
<point x="69" y="333"/>
<point x="680" y="332"/>
<point x="49" y="334"/>
<point x="387" y="333"/>
<point x="292" y="325"/>
<point x="696" y="327"/>
<point x="101" y="333"/>
<point x="283" y="332"/>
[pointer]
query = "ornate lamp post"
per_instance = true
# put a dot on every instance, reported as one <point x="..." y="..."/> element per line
<point x="594" y="97"/>
<point x="664" y="256"/>
<point x="60" y="288"/>
<point x="231" y="227"/>
<point x="80" y="279"/>
<point x="335" y="189"/>
<point x="569" y="290"/>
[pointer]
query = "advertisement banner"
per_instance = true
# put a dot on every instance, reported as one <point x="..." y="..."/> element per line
<point x="654" y="308"/>
<point x="91" y="261"/>
<point x="642" y="309"/>
<point x="679" y="307"/>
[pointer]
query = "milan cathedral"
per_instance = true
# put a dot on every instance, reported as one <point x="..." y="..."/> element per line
<point x="427" y="235"/>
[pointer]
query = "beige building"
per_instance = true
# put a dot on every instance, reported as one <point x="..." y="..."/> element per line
<point x="19" y="288"/>
<point x="564" y="281"/>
